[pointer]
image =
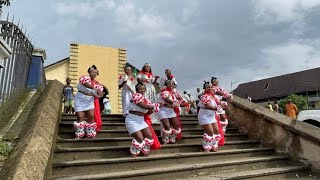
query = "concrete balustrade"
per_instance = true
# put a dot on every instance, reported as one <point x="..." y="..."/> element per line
<point x="300" y="140"/>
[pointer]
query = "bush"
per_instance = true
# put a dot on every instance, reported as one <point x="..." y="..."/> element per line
<point x="5" y="148"/>
<point x="300" y="101"/>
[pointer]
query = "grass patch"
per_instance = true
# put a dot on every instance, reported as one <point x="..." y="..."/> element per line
<point x="5" y="148"/>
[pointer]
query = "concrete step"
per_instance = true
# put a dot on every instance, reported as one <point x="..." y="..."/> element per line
<point x="286" y="172"/>
<point x="119" y="117"/>
<point x="77" y="167"/>
<point x="115" y="120"/>
<point x="188" y="168"/>
<point x="120" y="141"/>
<point x="67" y="125"/>
<point x="87" y="153"/>
<point x="67" y="134"/>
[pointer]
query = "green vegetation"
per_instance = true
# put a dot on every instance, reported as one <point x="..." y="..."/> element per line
<point x="5" y="148"/>
<point x="300" y="101"/>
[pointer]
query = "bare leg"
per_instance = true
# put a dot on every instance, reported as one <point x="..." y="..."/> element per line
<point x="138" y="136"/>
<point x="80" y="116"/>
<point x="90" y="115"/>
<point x="208" y="128"/>
<point x="166" y="124"/>
<point x="146" y="133"/>
<point x="174" y="123"/>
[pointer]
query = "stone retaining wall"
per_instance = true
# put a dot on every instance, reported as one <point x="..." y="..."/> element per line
<point x="300" y="140"/>
<point x="32" y="157"/>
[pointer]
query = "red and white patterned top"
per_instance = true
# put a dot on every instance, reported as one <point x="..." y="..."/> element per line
<point x="210" y="99"/>
<point x="87" y="79"/>
<point x="138" y="98"/>
<point x="225" y="93"/>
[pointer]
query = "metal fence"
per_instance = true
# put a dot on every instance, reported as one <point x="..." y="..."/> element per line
<point x="14" y="74"/>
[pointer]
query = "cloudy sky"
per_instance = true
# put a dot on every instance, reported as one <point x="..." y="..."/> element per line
<point x="234" y="40"/>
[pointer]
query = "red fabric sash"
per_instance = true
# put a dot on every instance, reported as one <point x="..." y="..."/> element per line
<point x="156" y="144"/>
<point x="222" y="141"/>
<point x="97" y="113"/>
<point x="148" y="120"/>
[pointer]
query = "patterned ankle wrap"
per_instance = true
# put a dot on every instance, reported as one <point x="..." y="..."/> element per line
<point x="79" y="128"/>
<point x="136" y="147"/>
<point x="165" y="135"/>
<point x="148" y="144"/>
<point x="91" y="129"/>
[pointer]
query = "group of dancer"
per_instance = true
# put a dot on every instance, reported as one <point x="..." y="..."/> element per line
<point x="143" y="106"/>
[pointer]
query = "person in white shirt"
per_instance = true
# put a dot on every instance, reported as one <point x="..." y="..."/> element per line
<point x="126" y="82"/>
<point x="169" y="75"/>
<point x="186" y="98"/>
<point x="107" y="105"/>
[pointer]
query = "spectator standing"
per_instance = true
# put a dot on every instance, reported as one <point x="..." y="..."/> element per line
<point x="269" y="106"/>
<point x="291" y="109"/>
<point x="276" y="106"/>
<point x="68" y="97"/>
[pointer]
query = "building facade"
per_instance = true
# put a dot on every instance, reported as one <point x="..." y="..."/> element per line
<point x="109" y="61"/>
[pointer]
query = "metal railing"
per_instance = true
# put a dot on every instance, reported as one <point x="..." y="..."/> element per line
<point x="14" y="74"/>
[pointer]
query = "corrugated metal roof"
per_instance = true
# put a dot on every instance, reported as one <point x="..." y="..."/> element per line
<point x="279" y="86"/>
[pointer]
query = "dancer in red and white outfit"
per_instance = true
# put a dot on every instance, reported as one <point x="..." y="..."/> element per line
<point x="221" y="93"/>
<point x="207" y="118"/>
<point x="135" y="122"/>
<point x="167" y="115"/>
<point x="88" y="90"/>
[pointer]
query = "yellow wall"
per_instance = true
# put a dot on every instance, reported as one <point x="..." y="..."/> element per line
<point x="58" y="71"/>
<point x="110" y="63"/>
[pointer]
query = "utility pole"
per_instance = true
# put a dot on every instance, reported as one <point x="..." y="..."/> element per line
<point x="231" y="87"/>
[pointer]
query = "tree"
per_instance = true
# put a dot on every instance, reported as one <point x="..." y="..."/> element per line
<point x="4" y="3"/>
<point x="300" y="101"/>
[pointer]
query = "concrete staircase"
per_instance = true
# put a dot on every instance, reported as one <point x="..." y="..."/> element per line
<point x="107" y="156"/>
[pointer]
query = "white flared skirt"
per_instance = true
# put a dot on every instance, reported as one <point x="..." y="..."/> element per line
<point x="206" y="116"/>
<point x="135" y="123"/>
<point x="166" y="112"/>
<point x="83" y="102"/>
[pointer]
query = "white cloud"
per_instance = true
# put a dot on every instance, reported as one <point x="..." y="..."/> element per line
<point x="138" y="23"/>
<point x="84" y="9"/>
<point x="292" y="12"/>
<point x="282" y="11"/>
<point x="189" y="10"/>
<point x="146" y="24"/>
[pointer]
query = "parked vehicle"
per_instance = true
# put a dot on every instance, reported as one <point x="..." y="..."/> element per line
<point x="310" y="116"/>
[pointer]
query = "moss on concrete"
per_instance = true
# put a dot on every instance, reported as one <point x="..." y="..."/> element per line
<point x="7" y="112"/>
<point x="32" y="156"/>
